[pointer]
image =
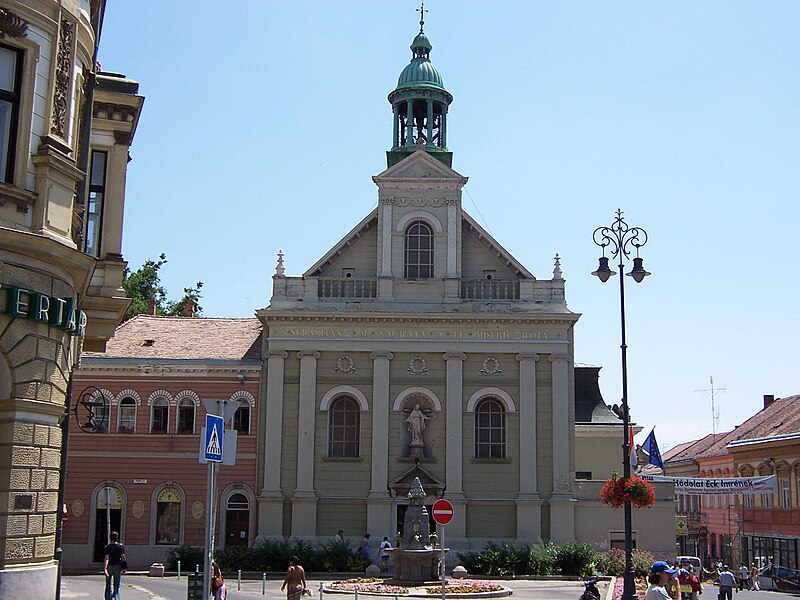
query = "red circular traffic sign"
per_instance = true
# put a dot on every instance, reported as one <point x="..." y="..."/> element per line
<point x="442" y="511"/>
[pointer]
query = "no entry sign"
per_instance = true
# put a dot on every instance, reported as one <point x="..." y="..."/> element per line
<point x="442" y="511"/>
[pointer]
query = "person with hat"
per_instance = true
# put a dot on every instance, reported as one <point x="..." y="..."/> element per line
<point x="660" y="575"/>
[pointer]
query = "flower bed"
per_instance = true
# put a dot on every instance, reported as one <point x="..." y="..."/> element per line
<point x="472" y="586"/>
<point x="619" y="585"/>
<point x="372" y="585"/>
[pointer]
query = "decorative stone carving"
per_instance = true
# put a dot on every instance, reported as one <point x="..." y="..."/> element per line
<point x="491" y="366"/>
<point x="77" y="508"/>
<point x="417" y="366"/>
<point x="58" y="123"/>
<point x="345" y="366"/>
<point x="11" y="25"/>
<point x="138" y="509"/>
<point x="419" y="202"/>
<point x="197" y="510"/>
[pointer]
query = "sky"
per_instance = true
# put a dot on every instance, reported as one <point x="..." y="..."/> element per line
<point x="264" y="122"/>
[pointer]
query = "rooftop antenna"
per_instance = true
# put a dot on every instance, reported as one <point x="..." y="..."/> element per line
<point x="714" y="405"/>
<point x="422" y="10"/>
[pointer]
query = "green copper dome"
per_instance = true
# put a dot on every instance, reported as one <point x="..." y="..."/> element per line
<point x="420" y="72"/>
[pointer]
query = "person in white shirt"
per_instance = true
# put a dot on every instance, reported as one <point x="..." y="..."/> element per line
<point x="386" y="545"/>
<point x="660" y="575"/>
<point x="744" y="578"/>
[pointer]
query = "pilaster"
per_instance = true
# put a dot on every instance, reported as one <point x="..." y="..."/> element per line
<point x="454" y="446"/>
<point x="270" y="501"/>
<point x="529" y="506"/>
<point x="304" y="500"/>
<point x="562" y="480"/>
<point x="379" y="503"/>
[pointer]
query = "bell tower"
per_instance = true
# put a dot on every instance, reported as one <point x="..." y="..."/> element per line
<point x="419" y="105"/>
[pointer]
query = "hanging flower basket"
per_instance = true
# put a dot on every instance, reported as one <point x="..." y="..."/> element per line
<point x="618" y="490"/>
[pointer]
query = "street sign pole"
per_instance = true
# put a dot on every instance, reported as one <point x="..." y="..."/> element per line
<point x="442" y="513"/>
<point x="213" y="444"/>
<point x="441" y="560"/>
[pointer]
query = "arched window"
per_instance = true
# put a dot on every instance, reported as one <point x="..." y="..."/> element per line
<point x="186" y="416"/>
<point x="159" y="420"/>
<point x="344" y="418"/>
<point x="168" y="516"/>
<point x="127" y="415"/>
<point x="241" y="418"/>
<point x="418" y="257"/>
<point x="490" y="429"/>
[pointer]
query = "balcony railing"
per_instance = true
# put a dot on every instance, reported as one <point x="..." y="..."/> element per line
<point x="329" y="287"/>
<point x="476" y="290"/>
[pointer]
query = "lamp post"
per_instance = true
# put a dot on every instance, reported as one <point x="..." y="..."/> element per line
<point x="620" y="240"/>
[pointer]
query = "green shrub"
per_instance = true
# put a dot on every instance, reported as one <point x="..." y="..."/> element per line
<point x="190" y="556"/>
<point x="541" y="559"/>
<point x="613" y="562"/>
<point x="574" y="559"/>
<point x="338" y="556"/>
<point x="642" y="561"/>
<point x="499" y="560"/>
<point x="233" y="558"/>
<point x="271" y="555"/>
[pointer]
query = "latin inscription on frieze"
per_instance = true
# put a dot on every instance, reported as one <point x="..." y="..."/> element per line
<point x="402" y="333"/>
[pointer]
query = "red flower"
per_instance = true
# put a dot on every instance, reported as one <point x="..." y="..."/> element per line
<point x="618" y="490"/>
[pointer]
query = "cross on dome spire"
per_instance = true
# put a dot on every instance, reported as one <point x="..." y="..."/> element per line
<point x="422" y="10"/>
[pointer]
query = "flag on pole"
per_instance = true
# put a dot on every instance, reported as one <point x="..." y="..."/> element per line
<point x="632" y="449"/>
<point x="650" y="447"/>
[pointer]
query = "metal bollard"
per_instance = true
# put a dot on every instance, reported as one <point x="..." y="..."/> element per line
<point x="263" y="583"/>
<point x="321" y="590"/>
<point x="179" y="570"/>
<point x="239" y="581"/>
<point x="356" y="595"/>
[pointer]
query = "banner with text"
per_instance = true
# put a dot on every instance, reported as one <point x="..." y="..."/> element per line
<point x="716" y="485"/>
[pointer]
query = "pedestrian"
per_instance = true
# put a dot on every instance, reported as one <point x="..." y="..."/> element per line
<point x="756" y="586"/>
<point x="365" y="549"/>
<point x="660" y="575"/>
<point x="295" y="580"/>
<point x="114" y="566"/>
<point x="386" y="545"/>
<point x="744" y="578"/>
<point x="339" y="537"/>
<point x="218" y="588"/>
<point x="726" y="583"/>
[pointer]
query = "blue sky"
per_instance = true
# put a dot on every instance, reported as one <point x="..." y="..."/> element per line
<point x="264" y="122"/>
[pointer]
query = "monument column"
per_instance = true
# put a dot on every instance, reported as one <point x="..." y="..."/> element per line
<point x="379" y="503"/>
<point x="270" y="500"/>
<point x="562" y="506"/>
<point x="529" y="506"/>
<point x="454" y="446"/>
<point x="304" y="500"/>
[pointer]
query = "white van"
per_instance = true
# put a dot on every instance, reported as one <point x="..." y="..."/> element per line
<point x="697" y="566"/>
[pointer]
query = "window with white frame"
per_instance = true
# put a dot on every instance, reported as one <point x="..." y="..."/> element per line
<point x="186" y="412"/>
<point x="748" y="501"/>
<point x="767" y="500"/>
<point x="344" y="425"/>
<point x="418" y="256"/>
<point x="159" y="420"/>
<point x="10" y="86"/>
<point x="127" y="415"/>
<point x="786" y="500"/>
<point x="490" y="429"/>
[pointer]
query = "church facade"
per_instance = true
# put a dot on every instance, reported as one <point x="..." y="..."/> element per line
<point x="419" y="347"/>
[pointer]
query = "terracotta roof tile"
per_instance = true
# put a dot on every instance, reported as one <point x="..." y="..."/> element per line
<point x="145" y="336"/>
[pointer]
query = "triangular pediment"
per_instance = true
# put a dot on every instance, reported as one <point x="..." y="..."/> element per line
<point x="432" y="486"/>
<point x="420" y="165"/>
<point x="367" y="226"/>
<point x="497" y="251"/>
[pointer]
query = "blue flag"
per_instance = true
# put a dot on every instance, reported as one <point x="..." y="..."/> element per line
<point x="651" y="448"/>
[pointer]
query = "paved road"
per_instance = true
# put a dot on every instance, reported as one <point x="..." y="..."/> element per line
<point x="139" y="587"/>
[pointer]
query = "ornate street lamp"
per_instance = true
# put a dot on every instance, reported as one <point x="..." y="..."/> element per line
<point x="620" y="241"/>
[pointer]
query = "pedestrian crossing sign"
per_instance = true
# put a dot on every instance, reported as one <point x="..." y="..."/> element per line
<point x="214" y="436"/>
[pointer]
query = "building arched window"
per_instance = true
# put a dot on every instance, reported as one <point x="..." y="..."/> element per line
<point x="418" y="255"/>
<point x="159" y="416"/>
<point x="168" y="516"/>
<point x="490" y="429"/>
<point x="126" y="415"/>
<point x="185" y="416"/>
<point x="344" y="423"/>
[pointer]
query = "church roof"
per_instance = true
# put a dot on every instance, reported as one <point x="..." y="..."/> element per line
<point x="189" y="338"/>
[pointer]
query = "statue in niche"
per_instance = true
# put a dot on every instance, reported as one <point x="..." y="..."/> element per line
<point x="416" y="421"/>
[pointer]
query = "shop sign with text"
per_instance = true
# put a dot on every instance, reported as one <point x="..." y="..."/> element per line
<point x="34" y="306"/>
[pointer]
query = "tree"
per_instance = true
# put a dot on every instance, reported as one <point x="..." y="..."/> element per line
<point x="143" y="286"/>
